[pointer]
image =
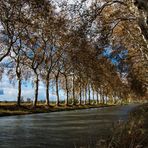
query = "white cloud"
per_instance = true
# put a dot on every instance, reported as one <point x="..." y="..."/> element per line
<point x="10" y="91"/>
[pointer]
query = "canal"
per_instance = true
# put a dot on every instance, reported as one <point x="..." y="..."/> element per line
<point x="66" y="129"/>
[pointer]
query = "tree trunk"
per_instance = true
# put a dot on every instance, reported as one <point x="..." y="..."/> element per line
<point x="93" y="93"/>
<point x="80" y="93"/>
<point x="103" y="101"/>
<point x="36" y="90"/>
<point x="101" y="96"/>
<point x="89" y="95"/>
<point x="73" y="89"/>
<point x="47" y="90"/>
<point x="57" y="90"/>
<point x="85" y="98"/>
<point x="115" y="96"/>
<point x="67" y="90"/>
<point x="105" y="98"/>
<point x="97" y="97"/>
<point x="19" y="92"/>
<point x="18" y="74"/>
<point x="83" y="95"/>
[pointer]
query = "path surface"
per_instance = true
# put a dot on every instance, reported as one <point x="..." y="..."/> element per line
<point x="60" y="129"/>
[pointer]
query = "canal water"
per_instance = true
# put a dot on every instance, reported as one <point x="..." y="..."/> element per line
<point x="66" y="129"/>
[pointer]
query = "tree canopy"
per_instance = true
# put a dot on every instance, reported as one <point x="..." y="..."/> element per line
<point x="89" y="49"/>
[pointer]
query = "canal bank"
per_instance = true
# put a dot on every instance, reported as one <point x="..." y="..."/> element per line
<point x="133" y="133"/>
<point x="61" y="129"/>
<point x="11" y="109"/>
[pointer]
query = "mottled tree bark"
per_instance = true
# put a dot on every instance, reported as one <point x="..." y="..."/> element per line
<point x="36" y="90"/>
<point x="89" y="95"/>
<point x="19" y="92"/>
<point x="97" y="102"/>
<point x="85" y="97"/>
<point x="80" y="94"/>
<point x="18" y="74"/>
<point x="73" y="89"/>
<point x="57" y="90"/>
<point x="67" y="91"/>
<point x="47" y="89"/>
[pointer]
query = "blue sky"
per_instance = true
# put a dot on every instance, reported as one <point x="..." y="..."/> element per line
<point x="10" y="90"/>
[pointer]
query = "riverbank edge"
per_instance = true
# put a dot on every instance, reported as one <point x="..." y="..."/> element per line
<point x="13" y="110"/>
<point x="132" y="133"/>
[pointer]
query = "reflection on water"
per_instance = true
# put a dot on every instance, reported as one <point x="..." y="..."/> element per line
<point x="59" y="129"/>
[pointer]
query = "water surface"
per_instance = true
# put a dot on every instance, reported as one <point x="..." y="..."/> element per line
<point x="64" y="129"/>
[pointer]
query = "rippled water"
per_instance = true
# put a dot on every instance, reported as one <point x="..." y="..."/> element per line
<point x="60" y="129"/>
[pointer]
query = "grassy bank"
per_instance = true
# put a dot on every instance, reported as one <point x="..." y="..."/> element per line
<point x="9" y="109"/>
<point x="130" y="134"/>
<point x="133" y="133"/>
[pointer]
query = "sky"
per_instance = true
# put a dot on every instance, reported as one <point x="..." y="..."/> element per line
<point x="8" y="91"/>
